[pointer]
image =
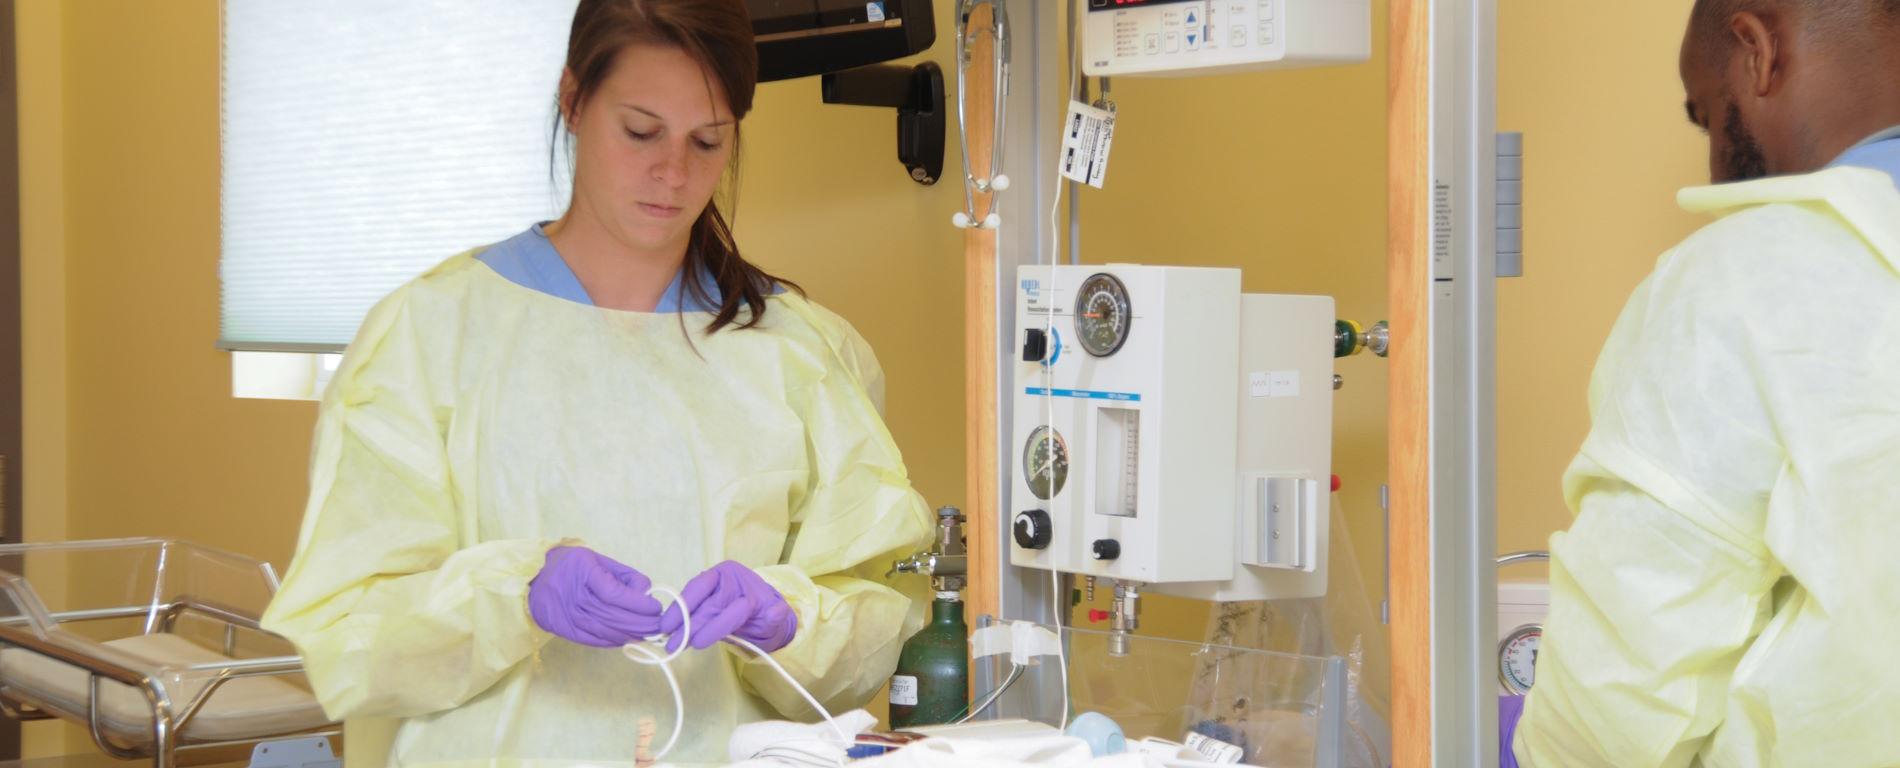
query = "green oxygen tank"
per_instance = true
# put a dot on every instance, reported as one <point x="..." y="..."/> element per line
<point x="932" y="682"/>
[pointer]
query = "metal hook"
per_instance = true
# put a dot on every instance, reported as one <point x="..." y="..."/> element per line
<point x="995" y="180"/>
<point x="1529" y="556"/>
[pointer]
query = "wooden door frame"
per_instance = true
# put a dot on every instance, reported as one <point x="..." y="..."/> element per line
<point x="1408" y="393"/>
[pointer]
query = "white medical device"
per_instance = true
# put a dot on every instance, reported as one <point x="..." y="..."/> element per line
<point x="1171" y="431"/>
<point x="1522" y="606"/>
<point x="1198" y="37"/>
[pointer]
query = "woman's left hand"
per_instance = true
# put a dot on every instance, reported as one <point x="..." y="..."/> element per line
<point x="730" y="600"/>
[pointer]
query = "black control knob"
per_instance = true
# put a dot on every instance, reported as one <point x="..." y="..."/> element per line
<point x="1032" y="529"/>
<point x="1035" y="345"/>
<point x="1107" y="549"/>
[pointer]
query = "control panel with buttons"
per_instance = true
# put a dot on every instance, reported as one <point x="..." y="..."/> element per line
<point x="1169" y="429"/>
<point x="1192" y="37"/>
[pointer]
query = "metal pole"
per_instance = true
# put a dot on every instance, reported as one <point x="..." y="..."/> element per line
<point x="1463" y="519"/>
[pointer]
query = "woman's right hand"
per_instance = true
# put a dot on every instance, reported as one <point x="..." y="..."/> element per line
<point x="585" y="597"/>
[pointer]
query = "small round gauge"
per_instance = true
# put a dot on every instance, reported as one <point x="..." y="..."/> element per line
<point x="1517" y="658"/>
<point x="1046" y="462"/>
<point x="1102" y="314"/>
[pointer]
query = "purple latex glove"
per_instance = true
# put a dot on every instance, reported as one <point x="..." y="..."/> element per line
<point x="1510" y="708"/>
<point x="730" y="599"/>
<point x="588" y="598"/>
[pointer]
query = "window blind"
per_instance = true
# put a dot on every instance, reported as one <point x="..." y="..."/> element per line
<point x="366" y="140"/>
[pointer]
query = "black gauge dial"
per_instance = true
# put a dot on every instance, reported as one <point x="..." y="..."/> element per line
<point x="1102" y="315"/>
<point x="1046" y="462"/>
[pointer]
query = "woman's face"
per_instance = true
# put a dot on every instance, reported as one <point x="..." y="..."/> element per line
<point x="651" y="144"/>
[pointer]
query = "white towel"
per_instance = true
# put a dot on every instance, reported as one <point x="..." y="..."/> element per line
<point x="815" y="739"/>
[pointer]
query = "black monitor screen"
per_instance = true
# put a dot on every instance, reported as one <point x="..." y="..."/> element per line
<point x="775" y="16"/>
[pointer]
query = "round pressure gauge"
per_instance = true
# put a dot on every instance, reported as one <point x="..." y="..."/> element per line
<point x="1102" y="315"/>
<point x="1046" y="462"/>
<point x="1517" y="658"/>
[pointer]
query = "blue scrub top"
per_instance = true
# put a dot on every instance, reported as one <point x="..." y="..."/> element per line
<point x="529" y="260"/>
<point x="1880" y="152"/>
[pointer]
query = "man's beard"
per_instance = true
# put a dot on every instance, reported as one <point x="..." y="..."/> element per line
<point x="1744" y="159"/>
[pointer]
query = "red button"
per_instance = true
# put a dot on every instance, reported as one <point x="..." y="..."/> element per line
<point x="1335" y="483"/>
<point x="1097" y="615"/>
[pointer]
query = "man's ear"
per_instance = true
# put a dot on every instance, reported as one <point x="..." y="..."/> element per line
<point x="1761" y="51"/>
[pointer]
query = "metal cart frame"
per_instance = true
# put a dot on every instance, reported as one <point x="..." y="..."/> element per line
<point x="169" y="716"/>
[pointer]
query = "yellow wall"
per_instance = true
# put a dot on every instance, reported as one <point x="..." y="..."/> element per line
<point x="132" y="428"/>
<point x="1607" y="145"/>
<point x="824" y="202"/>
<point x="157" y="444"/>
